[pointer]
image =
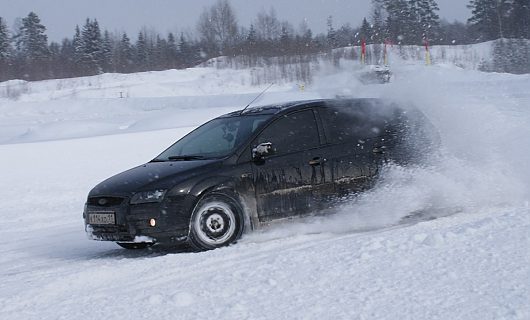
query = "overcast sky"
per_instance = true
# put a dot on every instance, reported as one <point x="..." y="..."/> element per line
<point x="61" y="16"/>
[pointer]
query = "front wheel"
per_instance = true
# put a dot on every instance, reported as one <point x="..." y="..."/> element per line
<point x="216" y="221"/>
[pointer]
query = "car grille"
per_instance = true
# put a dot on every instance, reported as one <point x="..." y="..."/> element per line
<point x="105" y="201"/>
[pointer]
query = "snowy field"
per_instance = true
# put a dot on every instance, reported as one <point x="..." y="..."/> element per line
<point x="61" y="137"/>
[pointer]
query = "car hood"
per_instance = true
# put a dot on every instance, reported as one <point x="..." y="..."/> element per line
<point x="152" y="176"/>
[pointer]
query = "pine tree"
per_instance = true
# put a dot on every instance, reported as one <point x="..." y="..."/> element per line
<point x="189" y="53"/>
<point x="5" y="51"/>
<point x="32" y="40"/>
<point x="346" y="36"/>
<point x="401" y="22"/>
<point x="32" y="47"/>
<point x="428" y="19"/>
<point x="56" y="65"/>
<point x="124" y="55"/>
<point x="409" y="21"/>
<point x="159" y="55"/>
<point x="67" y="56"/>
<point x="4" y="41"/>
<point x="251" y="40"/>
<point x="77" y="44"/>
<point x="366" y="31"/>
<point x="141" y="52"/>
<point x="454" y="33"/>
<point x="172" y="51"/>
<point x="306" y="38"/>
<point x="331" y="35"/>
<point x="489" y="17"/>
<point x="285" y="39"/>
<point x="92" y="48"/>
<point x="510" y="56"/>
<point x="106" y="63"/>
<point x="185" y="52"/>
<point x="303" y="29"/>
<point x="150" y="40"/>
<point x="378" y="24"/>
<point x="413" y="28"/>
<point x="519" y="19"/>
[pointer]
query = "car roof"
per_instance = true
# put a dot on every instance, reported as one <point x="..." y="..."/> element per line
<point x="295" y="105"/>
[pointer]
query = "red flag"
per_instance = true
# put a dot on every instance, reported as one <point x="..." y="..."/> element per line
<point x="363" y="51"/>
<point x="427" y="53"/>
<point x="363" y="47"/>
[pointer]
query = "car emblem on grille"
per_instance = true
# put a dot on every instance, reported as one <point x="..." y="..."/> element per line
<point x="102" y="201"/>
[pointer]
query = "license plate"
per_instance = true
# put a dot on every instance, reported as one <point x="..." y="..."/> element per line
<point x="102" y="218"/>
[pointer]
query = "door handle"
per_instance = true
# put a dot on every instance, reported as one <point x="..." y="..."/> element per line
<point x="378" y="150"/>
<point x="316" y="161"/>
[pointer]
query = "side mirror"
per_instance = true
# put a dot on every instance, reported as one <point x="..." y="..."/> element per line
<point x="262" y="150"/>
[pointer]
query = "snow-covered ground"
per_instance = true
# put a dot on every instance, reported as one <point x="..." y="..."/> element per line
<point x="62" y="137"/>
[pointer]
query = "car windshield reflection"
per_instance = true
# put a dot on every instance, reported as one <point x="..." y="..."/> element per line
<point x="215" y="139"/>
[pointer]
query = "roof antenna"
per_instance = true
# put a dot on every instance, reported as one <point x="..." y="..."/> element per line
<point x="256" y="98"/>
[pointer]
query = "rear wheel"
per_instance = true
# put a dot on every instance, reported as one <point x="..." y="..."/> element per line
<point x="216" y="221"/>
<point x="135" y="246"/>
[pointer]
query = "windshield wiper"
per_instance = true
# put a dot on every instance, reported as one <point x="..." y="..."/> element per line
<point x="185" y="158"/>
<point x="158" y="160"/>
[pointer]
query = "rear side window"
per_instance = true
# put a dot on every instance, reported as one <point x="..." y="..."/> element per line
<point x="351" y="123"/>
<point x="291" y="133"/>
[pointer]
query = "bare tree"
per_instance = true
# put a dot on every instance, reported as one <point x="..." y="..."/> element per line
<point x="268" y="26"/>
<point x="218" y="28"/>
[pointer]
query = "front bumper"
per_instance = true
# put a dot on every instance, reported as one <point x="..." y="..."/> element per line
<point x="132" y="221"/>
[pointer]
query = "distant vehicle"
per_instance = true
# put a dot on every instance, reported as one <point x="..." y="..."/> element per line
<point x="375" y="74"/>
<point x="249" y="168"/>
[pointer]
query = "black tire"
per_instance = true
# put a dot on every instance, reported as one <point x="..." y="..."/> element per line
<point x="216" y="221"/>
<point x="135" y="246"/>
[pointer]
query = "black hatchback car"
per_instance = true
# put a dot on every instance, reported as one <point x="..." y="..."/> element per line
<point x="248" y="168"/>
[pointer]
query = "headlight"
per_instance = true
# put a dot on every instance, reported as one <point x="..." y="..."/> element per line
<point x="148" y="196"/>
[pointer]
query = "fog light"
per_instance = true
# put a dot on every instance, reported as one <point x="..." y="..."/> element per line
<point x="152" y="222"/>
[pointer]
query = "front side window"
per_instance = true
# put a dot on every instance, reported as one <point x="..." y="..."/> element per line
<point x="215" y="139"/>
<point x="291" y="133"/>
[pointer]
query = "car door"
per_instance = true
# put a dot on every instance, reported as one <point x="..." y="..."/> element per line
<point x="287" y="182"/>
<point x="354" y="146"/>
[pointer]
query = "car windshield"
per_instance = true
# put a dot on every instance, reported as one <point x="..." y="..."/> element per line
<point x="215" y="139"/>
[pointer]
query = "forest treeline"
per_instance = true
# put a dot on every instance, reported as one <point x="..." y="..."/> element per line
<point x="26" y="53"/>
